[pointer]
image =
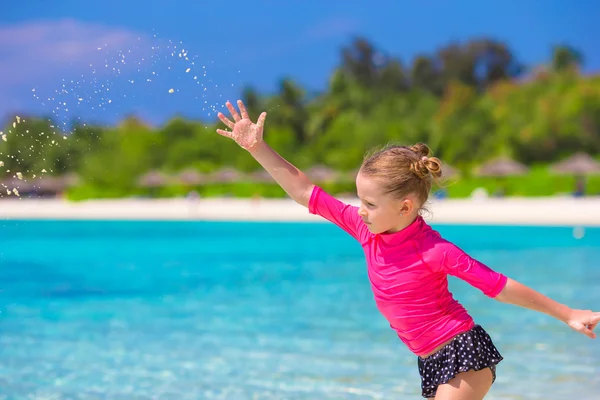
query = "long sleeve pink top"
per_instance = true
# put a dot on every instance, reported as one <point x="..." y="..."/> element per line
<point x="408" y="273"/>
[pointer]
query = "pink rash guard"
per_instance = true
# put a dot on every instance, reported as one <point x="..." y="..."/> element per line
<point x="408" y="274"/>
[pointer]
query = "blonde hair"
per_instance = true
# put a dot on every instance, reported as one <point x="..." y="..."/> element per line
<point x="404" y="170"/>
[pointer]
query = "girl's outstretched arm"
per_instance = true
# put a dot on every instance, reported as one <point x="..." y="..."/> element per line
<point x="583" y="321"/>
<point x="291" y="179"/>
<point x="249" y="136"/>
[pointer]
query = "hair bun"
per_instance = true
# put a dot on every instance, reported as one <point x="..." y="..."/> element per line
<point x="419" y="168"/>
<point x="425" y="165"/>
<point x="421" y="150"/>
<point x="433" y="166"/>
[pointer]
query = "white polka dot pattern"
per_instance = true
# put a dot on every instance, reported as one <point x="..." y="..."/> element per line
<point x="470" y="350"/>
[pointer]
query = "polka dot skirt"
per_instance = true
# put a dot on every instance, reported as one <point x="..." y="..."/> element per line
<point x="470" y="350"/>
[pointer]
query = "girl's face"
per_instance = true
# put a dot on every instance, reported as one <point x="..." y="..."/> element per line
<point x="381" y="212"/>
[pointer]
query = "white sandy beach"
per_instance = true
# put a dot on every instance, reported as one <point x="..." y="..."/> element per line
<point x="564" y="211"/>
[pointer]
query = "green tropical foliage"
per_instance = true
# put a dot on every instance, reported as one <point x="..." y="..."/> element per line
<point x="471" y="102"/>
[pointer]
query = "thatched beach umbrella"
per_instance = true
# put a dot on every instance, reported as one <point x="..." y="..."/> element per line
<point x="226" y="175"/>
<point x="69" y="179"/>
<point x="449" y="171"/>
<point x="9" y="184"/>
<point x="54" y="184"/>
<point x="191" y="177"/>
<point x="321" y="173"/>
<point x="501" y="167"/>
<point x="261" y="176"/>
<point x="578" y="164"/>
<point x="153" y="179"/>
<point x="49" y="184"/>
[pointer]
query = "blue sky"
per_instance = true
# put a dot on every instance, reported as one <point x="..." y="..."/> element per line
<point x="66" y="50"/>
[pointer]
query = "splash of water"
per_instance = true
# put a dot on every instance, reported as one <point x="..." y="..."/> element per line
<point x="152" y="68"/>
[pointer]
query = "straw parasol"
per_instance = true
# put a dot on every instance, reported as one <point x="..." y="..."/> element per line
<point x="21" y="185"/>
<point x="578" y="164"/>
<point x="49" y="184"/>
<point x="69" y="179"/>
<point x="501" y="167"/>
<point x="321" y="173"/>
<point x="449" y="171"/>
<point x="261" y="175"/>
<point x="226" y="175"/>
<point x="153" y="179"/>
<point x="54" y="184"/>
<point x="190" y="176"/>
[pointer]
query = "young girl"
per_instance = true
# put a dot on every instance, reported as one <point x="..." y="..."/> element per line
<point x="408" y="262"/>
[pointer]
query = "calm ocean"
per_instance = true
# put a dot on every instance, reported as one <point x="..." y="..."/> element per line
<point x="199" y="310"/>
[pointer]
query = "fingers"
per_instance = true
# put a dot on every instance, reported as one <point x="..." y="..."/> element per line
<point x="225" y="120"/>
<point x="224" y="133"/>
<point x="588" y="333"/>
<point x="586" y="329"/>
<point x="594" y="321"/>
<point x="586" y="322"/>
<point x="243" y="109"/>
<point x="234" y="113"/>
<point x="261" y="120"/>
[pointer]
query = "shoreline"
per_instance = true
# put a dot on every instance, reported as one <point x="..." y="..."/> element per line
<point x="551" y="211"/>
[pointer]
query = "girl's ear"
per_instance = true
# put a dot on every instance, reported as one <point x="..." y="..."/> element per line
<point x="406" y="207"/>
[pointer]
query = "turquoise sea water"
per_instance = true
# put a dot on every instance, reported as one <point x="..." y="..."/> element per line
<point x="199" y="310"/>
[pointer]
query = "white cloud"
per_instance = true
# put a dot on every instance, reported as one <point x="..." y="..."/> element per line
<point x="39" y="53"/>
<point x="35" y="50"/>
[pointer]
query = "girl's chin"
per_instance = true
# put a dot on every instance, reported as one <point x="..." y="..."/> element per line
<point x="373" y="229"/>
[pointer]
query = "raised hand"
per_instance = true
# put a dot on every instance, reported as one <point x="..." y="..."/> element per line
<point x="584" y="321"/>
<point x="244" y="132"/>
